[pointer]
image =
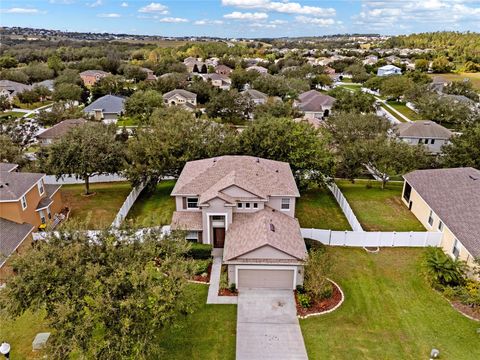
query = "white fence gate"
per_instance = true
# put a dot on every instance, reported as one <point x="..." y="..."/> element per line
<point x="347" y="210"/>
<point x="127" y="204"/>
<point x="373" y="238"/>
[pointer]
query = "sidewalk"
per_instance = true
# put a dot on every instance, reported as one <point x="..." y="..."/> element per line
<point x="213" y="297"/>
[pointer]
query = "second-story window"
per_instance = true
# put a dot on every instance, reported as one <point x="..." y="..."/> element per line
<point x="239" y="205"/>
<point x="247" y="205"/>
<point x="23" y="200"/>
<point x="192" y="203"/>
<point x="430" y="218"/>
<point x="41" y="189"/>
<point x="285" y="204"/>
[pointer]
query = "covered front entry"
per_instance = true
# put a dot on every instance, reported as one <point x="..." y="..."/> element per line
<point x="266" y="278"/>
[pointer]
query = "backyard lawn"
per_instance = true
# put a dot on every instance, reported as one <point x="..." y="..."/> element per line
<point x="153" y="208"/>
<point x="99" y="210"/>
<point x="473" y="77"/>
<point x="317" y="208"/>
<point x="377" y="209"/>
<point x="394" y="114"/>
<point x="404" y="110"/>
<point x="390" y="312"/>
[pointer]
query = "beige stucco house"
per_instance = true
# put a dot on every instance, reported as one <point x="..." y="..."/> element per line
<point x="245" y="206"/>
<point x="181" y="97"/>
<point x="448" y="200"/>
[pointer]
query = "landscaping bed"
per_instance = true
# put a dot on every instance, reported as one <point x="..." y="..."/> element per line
<point x="224" y="289"/>
<point x="466" y="310"/>
<point x="320" y="306"/>
<point x="202" y="271"/>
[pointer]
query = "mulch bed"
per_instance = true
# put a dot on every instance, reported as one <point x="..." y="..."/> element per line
<point x="322" y="305"/>
<point x="467" y="310"/>
<point x="204" y="279"/>
<point x="227" y="292"/>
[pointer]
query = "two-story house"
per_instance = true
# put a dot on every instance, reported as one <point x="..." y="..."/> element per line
<point x="90" y="77"/>
<point x="245" y="206"/>
<point x="314" y="104"/>
<point x="26" y="202"/>
<point x="181" y="97"/>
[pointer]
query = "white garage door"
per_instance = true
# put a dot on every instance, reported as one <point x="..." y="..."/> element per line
<point x="271" y="279"/>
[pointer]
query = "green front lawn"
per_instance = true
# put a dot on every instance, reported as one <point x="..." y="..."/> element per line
<point x="96" y="211"/>
<point x="127" y="121"/>
<point x="404" y="110"/>
<point x="394" y="114"/>
<point x="317" y="208"/>
<point x="8" y="115"/>
<point x="390" y="312"/>
<point x="377" y="209"/>
<point x="154" y="208"/>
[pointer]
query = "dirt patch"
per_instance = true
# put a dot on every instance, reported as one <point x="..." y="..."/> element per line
<point x="322" y="305"/>
<point x="205" y="279"/>
<point x="227" y="292"/>
<point x="466" y="310"/>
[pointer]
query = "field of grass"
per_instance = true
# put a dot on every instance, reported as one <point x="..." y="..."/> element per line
<point x="353" y="87"/>
<point x="32" y="106"/>
<point x="404" y="110"/>
<point x="377" y="209"/>
<point x="10" y="115"/>
<point x="394" y="114"/>
<point x="317" y="208"/>
<point x="153" y="208"/>
<point x="99" y="210"/>
<point x="473" y="77"/>
<point x="390" y="312"/>
<point x="126" y="121"/>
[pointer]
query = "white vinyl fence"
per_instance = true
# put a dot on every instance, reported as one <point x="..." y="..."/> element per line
<point x="66" y="179"/>
<point x="374" y="239"/>
<point x="127" y="204"/>
<point x="347" y="210"/>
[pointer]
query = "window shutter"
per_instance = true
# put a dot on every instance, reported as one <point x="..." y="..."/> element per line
<point x="184" y="199"/>
<point x="200" y="236"/>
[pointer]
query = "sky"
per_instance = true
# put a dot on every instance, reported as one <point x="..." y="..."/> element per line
<point x="243" y="18"/>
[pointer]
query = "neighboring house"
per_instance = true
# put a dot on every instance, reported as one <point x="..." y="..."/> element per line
<point x="57" y="131"/>
<point x="256" y="96"/>
<point x="448" y="200"/>
<point x="462" y="99"/>
<point x="107" y="108"/>
<point x="49" y="84"/>
<point x="10" y="89"/>
<point x="150" y="74"/>
<point x="259" y="69"/>
<point x="314" y="104"/>
<point x="389" y="70"/>
<point x="245" y="206"/>
<point x="370" y="60"/>
<point x="223" y="70"/>
<point x="195" y="66"/>
<point x="26" y="202"/>
<point x="90" y="77"/>
<point x="438" y="84"/>
<point x="429" y="133"/>
<point x="181" y="97"/>
<point x="328" y="70"/>
<point x="221" y="81"/>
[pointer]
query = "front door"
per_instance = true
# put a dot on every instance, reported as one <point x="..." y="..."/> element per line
<point x="218" y="237"/>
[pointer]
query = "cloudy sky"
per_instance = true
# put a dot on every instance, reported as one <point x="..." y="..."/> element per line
<point x="243" y="18"/>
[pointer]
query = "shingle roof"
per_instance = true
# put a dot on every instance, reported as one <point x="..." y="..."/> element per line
<point x="313" y="100"/>
<point x="94" y="72"/>
<point x="186" y="94"/>
<point x="13" y="185"/>
<point x="51" y="189"/>
<point x="255" y="94"/>
<point x="454" y="195"/>
<point x="259" y="176"/>
<point x="13" y="86"/>
<point x="270" y="227"/>
<point x="423" y="129"/>
<point x="60" y="129"/>
<point x="109" y="104"/>
<point x="187" y="220"/>
<point x="7" y="166"/>
<point x="12" y="234"/>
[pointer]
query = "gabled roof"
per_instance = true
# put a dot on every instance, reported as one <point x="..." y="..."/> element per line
<point x="258" y="176"/>
<point x="13" y="185"/>
<point x="110" y="104"/>
<point x="314" y="101"/>
<point x="454" y="196"/>
<point x="7" y="166"/>
<point x="94" y="73"/>
<point x="423" y="129"/>
<point x="389" y="67"/>
<point x="60" y="129"/>
<point x="255" y="94"/>
<point x="13" y="86"/>
<point x="184" y="93"/>
<point x="223" y="67"/>
<point x="12" y="235"/>
<point x="266" y="227"/>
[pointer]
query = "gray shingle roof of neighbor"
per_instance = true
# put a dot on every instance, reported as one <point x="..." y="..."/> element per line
<point x="454" y="196"/>
<point x="7" y="166"/>
<point x="186" y="94"/>
<point x="110" y="104"/>
<point x="60" y="129"/>
<point x="13" y="86"/>
<point x="261" y="177"/>
<point x="12" y="235"/>
<point x="266" y="227"/>
<point x="94" y="72"/>
<point x="313" y="100"/>
<point x="255" y="94"/>
<point x="423" y="129"/>
<point x="13" y="185"/>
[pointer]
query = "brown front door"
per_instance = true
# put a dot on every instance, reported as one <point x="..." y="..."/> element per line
<point x="218" y="237"/>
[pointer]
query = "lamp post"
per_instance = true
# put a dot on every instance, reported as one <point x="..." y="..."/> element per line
<point x="5" y="349"/>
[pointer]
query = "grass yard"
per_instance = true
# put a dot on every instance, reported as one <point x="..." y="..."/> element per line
<point x="99" y="210"/>
<point x="353" y="87"/>
<point x="317" y="208"/>
<point x="404" y="110"/>
<point x="389" y="313"/>
<point x="127" y="121"/>
<point x="11" y="115"/>
<point x="394" y="114"/>
<point x="377" y="209"/>
<point x="154" y="208"/>
<point x="473" y="77"/>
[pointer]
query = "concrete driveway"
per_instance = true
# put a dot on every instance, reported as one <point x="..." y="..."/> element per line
<point x="267" y="326"/>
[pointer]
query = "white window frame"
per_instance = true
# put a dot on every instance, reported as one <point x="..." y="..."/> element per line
<point x="192" y="235"/>
<point x="41" y="188"/>
<point x="188" y="203"/>
<point x="283" y="202"/>
<point x="43" y="218"/>
<point x="247" y="205"/>
<point x="456" y="249"/>
<point x="440" y="225"/>
<point x="239" y="205"/>
<point x="430" y="219"/>
<point x="23" y="201"/>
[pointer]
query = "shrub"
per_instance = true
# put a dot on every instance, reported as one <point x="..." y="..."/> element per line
<point x="223" y="280"/>
<point x="304" y="300"/>
<point x="314" y="245"/>
<point x="450" y="292"/>
<point x="442" y="270"/>
<point x="327" y="291"/>
<point x="470" y="293"/>
<point x="201" y="266"/>
<point x="233" y="287"/>
<point x="300" y="289"/>
<point x="200" y="251"/>
<point x="316" y="271"/>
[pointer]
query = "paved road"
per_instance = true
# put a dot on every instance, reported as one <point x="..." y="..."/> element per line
<point x="267" y="326"/>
